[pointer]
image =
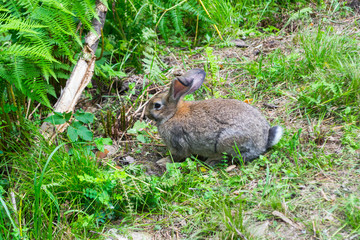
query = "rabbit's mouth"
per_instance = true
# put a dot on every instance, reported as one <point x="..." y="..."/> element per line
<point x="149" y="116"/>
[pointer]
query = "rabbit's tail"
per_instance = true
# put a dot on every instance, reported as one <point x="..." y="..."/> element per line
<point x="275" y="134"/>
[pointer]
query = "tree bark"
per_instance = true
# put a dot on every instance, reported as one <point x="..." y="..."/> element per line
<point x="81" y="74"/>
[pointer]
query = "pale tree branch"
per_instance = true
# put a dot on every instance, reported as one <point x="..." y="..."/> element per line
<point x="81" y="74"/>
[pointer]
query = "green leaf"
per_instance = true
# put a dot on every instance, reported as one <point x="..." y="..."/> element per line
<point x="68" y="116"/>
<point x="86" y="178"/>
<point x="138" y="126"/>
<point x="77" y="129"/>
<point x="57" y="118"/>
<point x="76" y="124"/>
<point x="85" y="133"/>
<point x="111" y="72"/>
<point x="84" y="117"/>
<point x="90" y="193"/>
<point x="132" y="131"/>
<point x="104" y="198"/>
<point x="72" y="134"/>
<point x="101" y="142"/>
<point x="141" y="138"/>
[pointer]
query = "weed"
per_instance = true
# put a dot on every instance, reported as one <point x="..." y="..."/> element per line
<point x="76" y="129"/>
<point x="327" y="54"/>
<point x="351" y="137"/>
<point x="302" y="14"/>
<point x="152" y="64"/>
<point x="352" y="212"/>
<point x="143" y="131"/>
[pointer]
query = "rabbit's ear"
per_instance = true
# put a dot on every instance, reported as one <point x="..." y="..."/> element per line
<point x="188" y="83"/>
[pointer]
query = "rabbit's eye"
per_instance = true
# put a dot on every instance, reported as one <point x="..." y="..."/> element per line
<point x="157" y="106"/>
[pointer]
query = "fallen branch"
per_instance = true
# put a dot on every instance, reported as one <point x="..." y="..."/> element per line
<point x="287" y="220"/>
<point x="13" y="202"/>
<point x="80" y="76"/>
<point x="241" y="235"/>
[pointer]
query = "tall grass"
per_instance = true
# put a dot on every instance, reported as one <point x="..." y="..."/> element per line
<point x="45" y="177"/>
<point x="333" y="60"/>
<point x="326" y="64"/>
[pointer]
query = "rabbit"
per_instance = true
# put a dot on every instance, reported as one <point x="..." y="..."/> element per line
<point x="209" y="128"/>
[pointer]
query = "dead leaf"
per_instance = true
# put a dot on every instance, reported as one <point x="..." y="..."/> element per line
<point x="324" y="195"/>
<point x="101" y="155"/>
<point x="230" y="168"/>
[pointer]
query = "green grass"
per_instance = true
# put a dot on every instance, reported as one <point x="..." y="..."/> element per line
<point x="63" y="191"/>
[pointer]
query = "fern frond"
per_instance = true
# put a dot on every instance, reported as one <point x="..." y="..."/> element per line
<point x="159" y="4"/>
<point x="177" y="20"/>
<point x="85" y="11"/>
<point x="140" y="11"/>
<point x="163" y="28"/>
<point x="13" y="7"/>
<point x="26" y="50"/>
<point x="299" y="15"/>
<point x="152" y="64"/>
<point x="8" y="23"/>
<point x="62" y="6"/>
<point x="39" y="90"/>
<point x="195" y="9"/>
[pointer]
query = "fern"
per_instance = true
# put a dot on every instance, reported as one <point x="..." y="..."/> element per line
<point x="11" y="23"/>
<point x="39" y="90"/>
<point x="177" y="20"/>
<point x="39" y="35"/>
<point x="164" y="29"/>
<point x="299" y="15"/>
<point x="38" y="42"/>
<point x="37" y="51"/>
<point x="322" y="92"/>
<point x="213" y="62"/>
<point x="169" y="17"/>
<point x="194" y="9"/>
<point x="151" y="62"/>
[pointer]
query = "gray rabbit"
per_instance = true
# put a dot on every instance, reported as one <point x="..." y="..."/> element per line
<point x="211" y="127"/>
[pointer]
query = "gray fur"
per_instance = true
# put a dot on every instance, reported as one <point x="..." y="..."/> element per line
<point x="212" y="127"/>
